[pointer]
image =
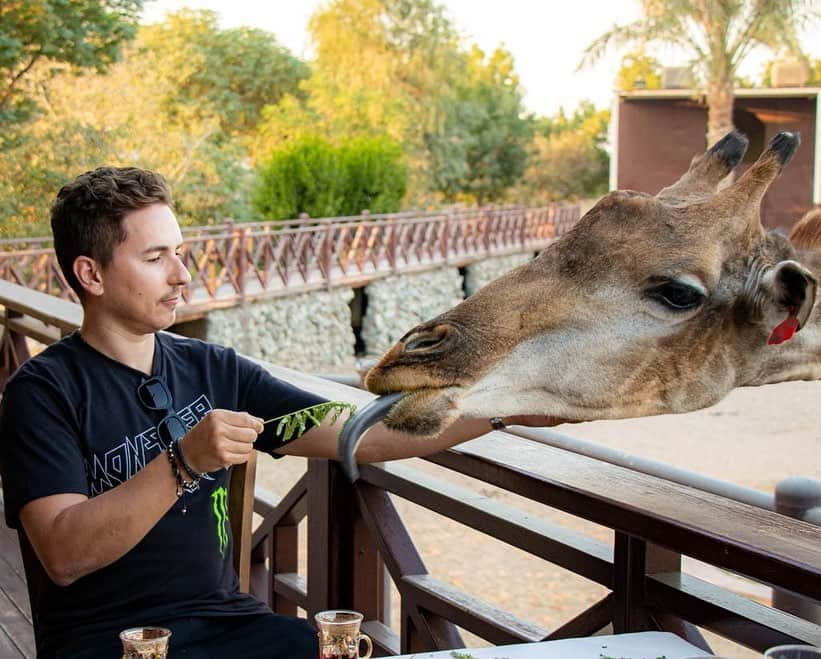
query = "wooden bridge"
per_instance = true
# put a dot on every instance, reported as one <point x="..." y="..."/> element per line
<point x="230" y="263"/>
<point x="355" y="532"/>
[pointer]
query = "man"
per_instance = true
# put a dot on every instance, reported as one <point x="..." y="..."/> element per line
<point x="114" y="443"/>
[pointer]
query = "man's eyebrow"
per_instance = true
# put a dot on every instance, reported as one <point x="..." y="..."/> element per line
<point x="161" y="248"/>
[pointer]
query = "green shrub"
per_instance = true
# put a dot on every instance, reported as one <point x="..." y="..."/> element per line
<point x="311" y="175"/>
<point x="305" y="177"/>
<point x="376" y="178"/>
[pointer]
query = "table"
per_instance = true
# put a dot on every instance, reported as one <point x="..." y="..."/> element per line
<point x="641" y="645"/>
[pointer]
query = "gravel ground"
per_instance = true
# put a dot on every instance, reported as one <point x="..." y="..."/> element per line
<point x="755" y="437"/>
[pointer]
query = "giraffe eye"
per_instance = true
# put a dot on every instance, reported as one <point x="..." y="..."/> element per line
<point x="677" y="296"/>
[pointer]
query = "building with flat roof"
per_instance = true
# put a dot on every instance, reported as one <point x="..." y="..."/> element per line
<point x="656" y="132"/>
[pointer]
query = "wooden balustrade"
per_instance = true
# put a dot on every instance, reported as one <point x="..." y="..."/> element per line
<point x="231" y="262"/>
<point x="355" y="532"/>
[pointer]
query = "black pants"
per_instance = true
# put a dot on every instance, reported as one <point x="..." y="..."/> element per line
<point x="265" y="636"/>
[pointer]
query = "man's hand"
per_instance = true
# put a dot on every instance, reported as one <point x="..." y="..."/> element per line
<point x="534" y="420"/>
<point x="220" y="439"/>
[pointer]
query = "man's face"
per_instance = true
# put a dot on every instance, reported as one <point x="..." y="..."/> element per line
<point x="142" y="285"/>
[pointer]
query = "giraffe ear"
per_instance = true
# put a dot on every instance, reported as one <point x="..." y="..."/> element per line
<point x="789" y="295"/>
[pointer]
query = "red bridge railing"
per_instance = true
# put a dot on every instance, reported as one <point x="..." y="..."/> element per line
<point x="231" y="261"/>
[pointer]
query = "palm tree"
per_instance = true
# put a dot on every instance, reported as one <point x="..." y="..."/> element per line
<point x="718" y="34"/>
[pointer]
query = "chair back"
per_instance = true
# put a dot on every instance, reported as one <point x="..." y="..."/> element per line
<point x="241" y="516"/>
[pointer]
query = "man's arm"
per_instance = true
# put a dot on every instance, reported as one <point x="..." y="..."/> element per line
<point x="73" y="535"/>
<point x="381" y="443"/>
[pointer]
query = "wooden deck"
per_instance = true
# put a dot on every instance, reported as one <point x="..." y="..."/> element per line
<point x="16" y="632"/>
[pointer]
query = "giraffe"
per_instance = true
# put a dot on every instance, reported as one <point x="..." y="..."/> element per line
<point x="649" y="305"/>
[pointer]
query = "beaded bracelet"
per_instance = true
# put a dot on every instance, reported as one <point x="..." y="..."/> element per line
<point x="192" y="473"/>
<point x="183" y="485"/>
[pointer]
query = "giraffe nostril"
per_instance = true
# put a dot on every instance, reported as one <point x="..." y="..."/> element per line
<point x="424" y="341"/>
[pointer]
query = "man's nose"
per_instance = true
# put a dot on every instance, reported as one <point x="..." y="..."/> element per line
<point x="181" y="276"/>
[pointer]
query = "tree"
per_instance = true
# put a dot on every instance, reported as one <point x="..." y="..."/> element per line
<point x="638" y="71"/>
<point x="379" y="65"/>
<point x="815" y="73"/>
<point x="481" y="148"/>
<point x="718" y="34"/>
<point x="80" y="33"/>
<point x="177" y="102"/>
<point x="230" y="74"/>
<point x="382" y="67"/>
<point x="568" y="158"/>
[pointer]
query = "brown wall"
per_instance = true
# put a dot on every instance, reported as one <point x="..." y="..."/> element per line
<point x="658" y="137"/>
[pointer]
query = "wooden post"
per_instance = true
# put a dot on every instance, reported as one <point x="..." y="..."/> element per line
<point x="331" y="519"/>
<point x="241" y="261"/>
<point x="344" y="566"/>
<point x="390" y="247"/>
<point x="13" y="349"/>
<point x="796" y="496"/>
<point x="285" y="558"/>
<point x="659" y="560"/>
<point x="629" y="566"/>
<point x="326" y="252"/>
<point x="445" y="238"/>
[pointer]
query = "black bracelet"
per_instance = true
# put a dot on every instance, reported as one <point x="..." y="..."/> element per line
<point x="183" y="485"/>
<point x="194" y="474"/>
<point x="497" y="423"/>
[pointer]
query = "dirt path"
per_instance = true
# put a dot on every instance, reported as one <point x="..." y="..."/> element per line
<point x="755" y="437"/>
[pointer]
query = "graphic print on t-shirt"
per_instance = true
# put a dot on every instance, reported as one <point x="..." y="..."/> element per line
<point x="126" y="459"/>
<point x="219" y="506"/>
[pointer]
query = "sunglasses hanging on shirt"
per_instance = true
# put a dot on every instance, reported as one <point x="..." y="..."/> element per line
<point x="153" y="394"/>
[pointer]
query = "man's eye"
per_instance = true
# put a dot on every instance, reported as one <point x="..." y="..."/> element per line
<point x="156" y="259"/>
<point x="676" y="296"/>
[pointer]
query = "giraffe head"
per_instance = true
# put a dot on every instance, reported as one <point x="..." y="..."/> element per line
<point x="650" y="305"/>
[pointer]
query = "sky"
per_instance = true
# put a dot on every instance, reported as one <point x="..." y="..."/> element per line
<point x="546" y="37"/>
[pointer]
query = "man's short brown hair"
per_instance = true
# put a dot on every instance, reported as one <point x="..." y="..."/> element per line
<point x="87" y="215"/>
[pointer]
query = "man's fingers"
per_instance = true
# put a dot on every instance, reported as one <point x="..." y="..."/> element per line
<point x="242" y="420"/>
<point x="245" y="436"/>
<point x="235" y="458"/>
<point x="237" y="445"/>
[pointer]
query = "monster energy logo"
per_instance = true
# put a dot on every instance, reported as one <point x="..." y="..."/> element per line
<point x="219" y="506"/>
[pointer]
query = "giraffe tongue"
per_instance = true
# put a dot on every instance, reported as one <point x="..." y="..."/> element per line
<point x="785" y="330"/>
<point x="355" y="428"/>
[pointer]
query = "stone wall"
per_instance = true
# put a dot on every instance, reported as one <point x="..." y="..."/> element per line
<point x="483" y="272"/>
<point x="396" y="304"/>
<point x="310" y="332"/>
<point x="313" y="332"/>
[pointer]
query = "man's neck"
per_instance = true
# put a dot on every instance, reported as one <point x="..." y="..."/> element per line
<point x="134" y="350"/>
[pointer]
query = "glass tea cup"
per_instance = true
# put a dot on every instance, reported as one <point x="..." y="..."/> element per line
<point x="145" y="642"/>
<point x="339" y="635"/>
<point x="793" y="652"/>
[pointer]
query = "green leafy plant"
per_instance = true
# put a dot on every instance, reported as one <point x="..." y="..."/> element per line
<point x="292" y="425"/>
<point x="314" y="175"/>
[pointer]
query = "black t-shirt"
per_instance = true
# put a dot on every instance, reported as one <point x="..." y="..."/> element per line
<point x="71" y="422"/>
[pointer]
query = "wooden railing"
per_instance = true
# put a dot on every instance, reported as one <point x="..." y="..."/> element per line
<point x="231" y="262"/>
<point x="355" y="531"/>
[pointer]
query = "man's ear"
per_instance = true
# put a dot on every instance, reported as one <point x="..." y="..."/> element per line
<point x="87" y="271"/>
<point x="788" y="296"/>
